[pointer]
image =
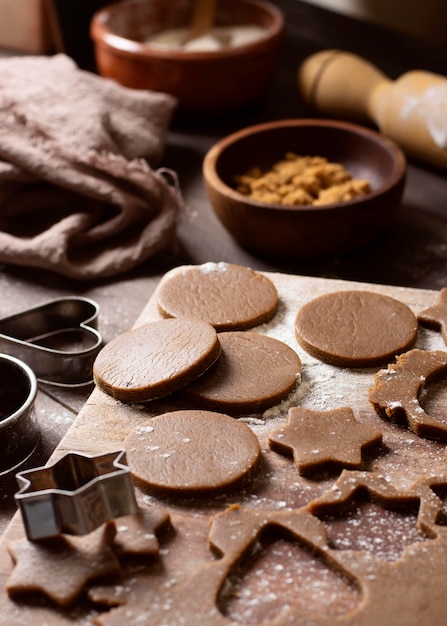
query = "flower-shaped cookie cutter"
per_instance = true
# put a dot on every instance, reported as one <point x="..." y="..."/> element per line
<point x="59" y="339"/>
<point x="75" y="495"/>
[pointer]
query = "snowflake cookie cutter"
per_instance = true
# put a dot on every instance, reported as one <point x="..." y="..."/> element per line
<point x="75" y="495"/>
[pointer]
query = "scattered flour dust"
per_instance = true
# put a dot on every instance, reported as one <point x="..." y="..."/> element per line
<point x="317" y="387"/>
<point x="219" y="37"/>
<point x="322" y="386"/>
<point x="211" y="267"/>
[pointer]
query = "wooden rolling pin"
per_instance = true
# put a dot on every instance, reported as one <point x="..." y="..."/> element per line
<point x="411" y="110"/>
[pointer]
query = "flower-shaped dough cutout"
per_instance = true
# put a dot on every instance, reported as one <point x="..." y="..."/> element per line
<point x="395" y="392"/>
<point x="321" y="439"/>
<point x="61" y="567"/>
<point x="436" y="316"/>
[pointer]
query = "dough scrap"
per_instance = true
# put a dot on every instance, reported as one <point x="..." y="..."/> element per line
<point x="253" y="373"/>
<point x="156" y="359"/>
<point x="60" y="568"/>
<point x="137" y="534"/>
<point x="184" y="453"/>
<point x="432" y="491"/>
<point x="351" y="482"/>
<point x="406" y="525"/>
<point x="355" y="328"/>
<point x="235" y="532"/>
<point x="395" y="392"/>
<point x="436" y="315"/>
<point x="232" y="533"/>
<point x="229" y="297"/>
<point x="321" y="439"/>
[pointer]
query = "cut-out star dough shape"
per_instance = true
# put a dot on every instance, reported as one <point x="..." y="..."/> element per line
<point x="436" y="315"/>
<point x="60" y="568"/>
<point x="319" y="439"/>
<point x="396" y="390"/>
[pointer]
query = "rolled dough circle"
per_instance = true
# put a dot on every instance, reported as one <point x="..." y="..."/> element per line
<point x="230" y="297"/>
<point x="191" y="452"/>
<point x="355" y="328"/>
<point x="254" y="372"/>
<point x="156" y="359"/>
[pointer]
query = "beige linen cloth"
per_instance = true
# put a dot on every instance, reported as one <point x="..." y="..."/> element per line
<point x="78" y="192"/>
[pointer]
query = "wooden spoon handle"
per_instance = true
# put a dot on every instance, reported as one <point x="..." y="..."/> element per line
<point x="202" y="19"/>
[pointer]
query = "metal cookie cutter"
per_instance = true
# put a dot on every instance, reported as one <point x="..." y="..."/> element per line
<point x="59" y="340"/>
<point x="75" y="495"/>
<point x="19" y="433"/>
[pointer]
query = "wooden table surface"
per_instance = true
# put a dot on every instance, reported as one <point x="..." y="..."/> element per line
<point x="412" y="254"/>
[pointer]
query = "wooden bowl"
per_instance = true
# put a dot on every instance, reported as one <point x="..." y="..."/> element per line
<point x="207" y="82"/>
<point x="305" y="231"/>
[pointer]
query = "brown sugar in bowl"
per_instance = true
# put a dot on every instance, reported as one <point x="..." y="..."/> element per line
<point x="208" y="82"/>
<point x="305" y="231"/>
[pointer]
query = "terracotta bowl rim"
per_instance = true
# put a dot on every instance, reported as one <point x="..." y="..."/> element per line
<point x="102" y="34"/>
<point x="211" y="176"/>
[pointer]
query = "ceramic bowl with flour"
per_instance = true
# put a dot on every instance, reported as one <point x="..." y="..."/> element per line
<point x="147" y="44"/>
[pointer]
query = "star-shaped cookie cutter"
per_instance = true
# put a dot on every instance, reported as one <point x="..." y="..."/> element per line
<point x="75" y="495"/>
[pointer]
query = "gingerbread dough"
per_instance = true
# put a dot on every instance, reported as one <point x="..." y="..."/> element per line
<point x="321" y="439"/>
<point x="156" y="359"/>
<point x="355" y="328"/>
<point x="386" y="573"/>
<point x="60" y="568"/>
<point x="184" y="453"/>
<point x="369" y="548"/>
<point x="396" y="390"/>
<point x="253" y="373"/>
<point x="230" y="297"/>
<point x="137" y="534"/>
<point x="436" y="315"/>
